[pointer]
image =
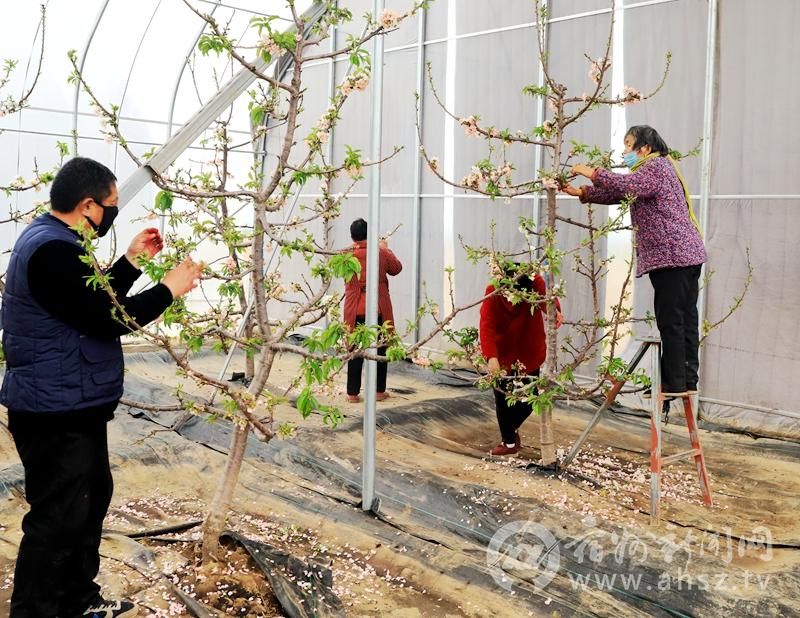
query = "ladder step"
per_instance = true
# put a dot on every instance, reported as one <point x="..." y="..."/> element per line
<point x="682" y="455"/>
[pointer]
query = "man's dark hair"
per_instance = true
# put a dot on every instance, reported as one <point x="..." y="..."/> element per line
<point x="358" y="230"/>
<point x="644" y="135"/>
<point x="80" y="178"/>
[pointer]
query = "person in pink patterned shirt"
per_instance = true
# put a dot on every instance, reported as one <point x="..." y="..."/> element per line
<point x="669" y="247"/>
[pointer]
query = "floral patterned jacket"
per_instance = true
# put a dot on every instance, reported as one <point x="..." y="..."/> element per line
<point x="665" y="235"/>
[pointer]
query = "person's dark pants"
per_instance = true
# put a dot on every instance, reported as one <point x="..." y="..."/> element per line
<point x="510" y="417"/>
<point x="68" y="485"/>
<point x="355" y="366"/>
<point x="675" y="303"/>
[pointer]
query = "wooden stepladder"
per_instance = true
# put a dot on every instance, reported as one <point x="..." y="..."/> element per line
<point x="658" y="415"/>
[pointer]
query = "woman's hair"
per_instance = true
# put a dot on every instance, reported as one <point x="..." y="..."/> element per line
<point x="524" y="283"/>
<point x="644" y="135"/>
<point x="358" y="230"/>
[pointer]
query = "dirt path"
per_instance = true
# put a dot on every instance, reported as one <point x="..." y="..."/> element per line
<point x="442" y="502"/>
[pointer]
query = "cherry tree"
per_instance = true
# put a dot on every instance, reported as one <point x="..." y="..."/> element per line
<point x="497" y="177"/>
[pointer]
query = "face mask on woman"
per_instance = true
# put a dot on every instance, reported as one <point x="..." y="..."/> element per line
<point x="630" y="158"/>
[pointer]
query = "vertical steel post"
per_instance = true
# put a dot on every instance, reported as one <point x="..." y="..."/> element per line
<point x="655" y="435"/>
<point x="705" y="170"/>
<point x="373" y="260"/>
<point x="416" y="216"/>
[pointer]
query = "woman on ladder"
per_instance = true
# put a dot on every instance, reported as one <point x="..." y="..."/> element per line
<point x="669" y="247"/>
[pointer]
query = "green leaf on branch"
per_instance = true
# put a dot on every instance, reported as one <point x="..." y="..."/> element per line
<point x="163" y="202"/>
<point x="175" y="313"/>
<point x="345" y="266"/>
<point x="362" y="336"/>
<point x="300" y="177"/>
<point x="285" y="40"/>
<point x="256" y="115"/>
<point x="307" y="402"/>
<point x="63" y="149"/>
<point x="332" y="335"/>
<point x="213" y="42"/>
<point x="332" y="416"/>
<point x="396" y="353"/>
<point x="534" y="90"/>
<point x="230" y="289"/>
<point x="331" y="365"/>
<point x="193" y="342"/>
<point x="463" y="337"/>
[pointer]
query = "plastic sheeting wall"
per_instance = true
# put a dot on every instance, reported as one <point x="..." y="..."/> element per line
<point x="755" y="357"/>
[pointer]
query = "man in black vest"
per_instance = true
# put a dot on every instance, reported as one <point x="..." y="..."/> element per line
<point x="63" y="381"/>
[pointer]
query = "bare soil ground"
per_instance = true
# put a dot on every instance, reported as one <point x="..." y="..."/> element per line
<point x="443" y="499"/>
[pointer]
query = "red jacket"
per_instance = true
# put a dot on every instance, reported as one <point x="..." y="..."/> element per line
<point x="512" y="333"/>
<point x="355" y="290"/>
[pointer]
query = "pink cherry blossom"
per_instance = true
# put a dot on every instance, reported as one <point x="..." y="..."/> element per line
<point x="266" y="43"/>
<point x="472" y="181"/>
<point x="597" y="67"/>
<point x="470" y="125"/>
<point x="550" y="183"/>
<point x="631" y="95"/>
<point x="389" y="19"/>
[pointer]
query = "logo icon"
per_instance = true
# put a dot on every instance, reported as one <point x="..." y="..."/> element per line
<point x="526" y="550"/>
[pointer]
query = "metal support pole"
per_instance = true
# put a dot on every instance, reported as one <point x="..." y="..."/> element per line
<point x="373" y="257"/>
<point x="85" y="53"/>
<point x="655" y="435"/>
<point x="705" y="177"/>
<point x="416" y="216"/>
<point x="609" y="399"/>
<point x="173" y="100"/>
<point x="200" y="121"/>
<point x="448" y="200"/>
<point x="188" y="133"/>
<point x="130" y="74"/>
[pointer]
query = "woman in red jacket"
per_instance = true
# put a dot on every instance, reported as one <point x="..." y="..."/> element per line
<point x="513" y="342"/>
<point x="355" y="304"/>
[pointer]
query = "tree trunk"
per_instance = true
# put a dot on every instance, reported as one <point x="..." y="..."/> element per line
<point x="546" y="442"/>
<point x="214" y="524"/>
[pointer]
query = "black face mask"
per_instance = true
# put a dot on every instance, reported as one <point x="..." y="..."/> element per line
<point x="109" y="214"/>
